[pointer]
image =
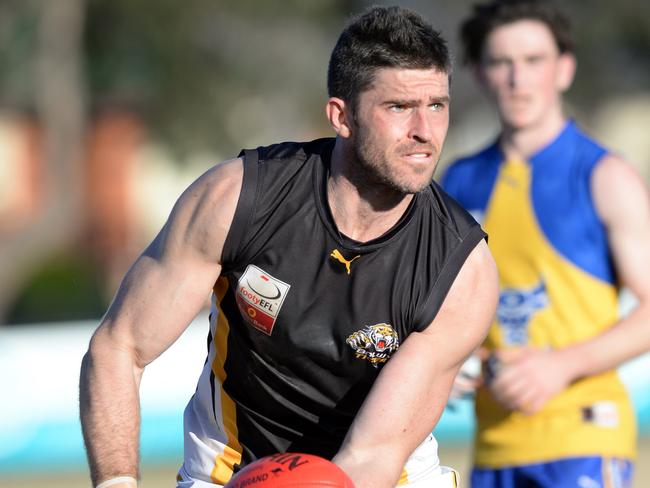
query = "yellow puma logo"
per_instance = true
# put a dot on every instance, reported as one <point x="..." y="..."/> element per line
<point x="339" y="257"/>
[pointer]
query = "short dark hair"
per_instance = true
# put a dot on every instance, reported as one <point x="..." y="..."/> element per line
<point x="492" y="14"/>
<point x="383" y="37"/>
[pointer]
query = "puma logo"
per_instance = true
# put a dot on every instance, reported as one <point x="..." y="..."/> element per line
<point x="339" y="257"/>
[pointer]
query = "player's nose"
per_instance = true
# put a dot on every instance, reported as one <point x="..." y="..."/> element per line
<point x="421" y="128"/>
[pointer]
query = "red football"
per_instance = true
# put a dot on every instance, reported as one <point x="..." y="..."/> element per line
<point x="291" y="470"/>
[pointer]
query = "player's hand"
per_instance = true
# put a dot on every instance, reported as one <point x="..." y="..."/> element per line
<point x="527" y="378"/>
<point x="464" y="386"/>
<point x="468" y="378"/>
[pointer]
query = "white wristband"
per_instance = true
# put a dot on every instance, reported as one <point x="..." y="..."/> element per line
<point x="119" y="479"/>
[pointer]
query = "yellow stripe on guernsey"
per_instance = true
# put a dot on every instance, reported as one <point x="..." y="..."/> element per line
<point x="547" y="302"/>
<point x="224" y="462"/>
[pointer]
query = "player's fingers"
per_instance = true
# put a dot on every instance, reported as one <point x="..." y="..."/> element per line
<point x="506" y="402"/>
<point x="531" y="405"/>
<point x="528" y="401"/>
<point x="504" y="397"/>
<point x="464" y="386"/>
<point x="512" y="355"/>
<point x="509" y="377"/>
<point x="511" y="389"/>
<point x="464" y="383"/>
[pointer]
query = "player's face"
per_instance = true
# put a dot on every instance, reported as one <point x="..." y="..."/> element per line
<point x="524" y="73"/>
<point x="400" y="126"/>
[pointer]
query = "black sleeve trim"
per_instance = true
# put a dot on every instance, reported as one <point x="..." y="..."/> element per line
<point x="447" y="276"/>
<point x="244" y="211"/>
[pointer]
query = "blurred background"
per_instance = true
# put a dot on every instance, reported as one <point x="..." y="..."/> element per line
<point x="110" y="108"/>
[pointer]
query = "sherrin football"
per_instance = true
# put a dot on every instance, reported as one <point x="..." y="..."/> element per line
<point x="291" y="470"/>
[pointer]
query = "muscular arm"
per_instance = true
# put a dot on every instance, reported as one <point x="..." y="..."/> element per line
<point x="532" y="377"/>
<point x="410" y="393"/>
<point x="158" y="298"/>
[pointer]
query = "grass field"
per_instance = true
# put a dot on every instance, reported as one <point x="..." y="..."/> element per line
<point x="157" y="477"/>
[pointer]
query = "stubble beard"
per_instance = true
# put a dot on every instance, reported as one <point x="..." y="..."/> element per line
<point x="374" y="168"/>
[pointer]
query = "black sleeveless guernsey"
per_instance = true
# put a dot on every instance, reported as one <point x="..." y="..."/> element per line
<point x="303" y="318"/>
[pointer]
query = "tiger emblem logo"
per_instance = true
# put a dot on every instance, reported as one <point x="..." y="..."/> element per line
<point x="374" y="343"/>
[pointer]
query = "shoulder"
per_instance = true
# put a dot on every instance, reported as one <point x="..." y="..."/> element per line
<point x="472" y="170"/>
<point x="473" y="162"/>
<point x="612" y="165"/>
<point x="476" y="157"/>
<point x="469" y="305"/>
<point x="579" y="147"/>
<point x="574" y="133"/>
<point x="294" y="150"/>
<point x="450" y="212"/>
<point x="617" y="187"/>
<point x="218" y="184"/>
<point x="269" y="165"/>
<point x="202" y="215"/>
<point x="451" y="235"/>
<point x="470" y="179"/>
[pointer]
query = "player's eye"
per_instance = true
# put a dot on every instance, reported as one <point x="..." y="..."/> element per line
<point x="535" y="59"/>
<point x="497" y="63"/>
<point x="398" y="108"/>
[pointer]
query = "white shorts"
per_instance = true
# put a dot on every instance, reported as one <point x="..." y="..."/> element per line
<point x="422" y="468"/>
<point x="446" y="477"/>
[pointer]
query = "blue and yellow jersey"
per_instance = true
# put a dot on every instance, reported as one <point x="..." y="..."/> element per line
<point x="558" y="287"/>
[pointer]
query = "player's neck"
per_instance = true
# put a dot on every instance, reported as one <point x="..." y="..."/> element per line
<point x="522" y="143"/>
<point x="360" y="212"/>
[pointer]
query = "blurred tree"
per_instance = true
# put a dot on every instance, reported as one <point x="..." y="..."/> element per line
<point x="65" y="287"/>
<point x="180" y="67"/>
<point x="613" y="42"/>
<point x="58" y="101"/>
<point x="211" y="76"/>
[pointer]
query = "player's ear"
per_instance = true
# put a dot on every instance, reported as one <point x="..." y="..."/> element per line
<point x="566" y="71"/>
<point x="340" y="116"/>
